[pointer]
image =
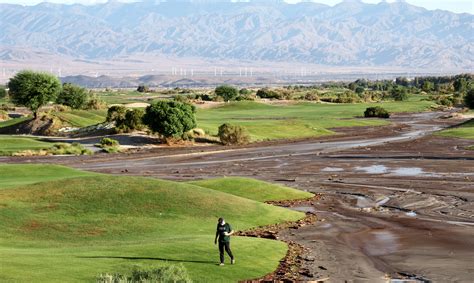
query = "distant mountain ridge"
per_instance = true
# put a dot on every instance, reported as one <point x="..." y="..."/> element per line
<point x="351" y="33"/>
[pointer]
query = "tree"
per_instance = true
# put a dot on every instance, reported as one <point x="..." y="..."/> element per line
<point x="134" y="119"/>
<point x="359" y="90"/>
<point x="116" y="114"/>
<point x="460" y="85"/>
<point x="143" y="88"/>
<point x="73" y="96"/>
<point x="233" y="134"/>
<point x="376" y="111"/>
<point x="3" y="92"/>
<point x="469" y="98"/>
<point x="427" y="86"/>
<point x="227" y="92"/>
<point x="399" y="93"/>
<point x="33" y="89"/>
<point x="170" y="118"/>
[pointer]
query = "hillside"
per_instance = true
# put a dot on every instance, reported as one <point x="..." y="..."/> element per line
<point x="351" y="33"/>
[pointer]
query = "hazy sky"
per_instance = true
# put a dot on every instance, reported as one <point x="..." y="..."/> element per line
<point x="451" y="5"/>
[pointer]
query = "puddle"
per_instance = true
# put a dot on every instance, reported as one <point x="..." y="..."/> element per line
<point x="381" y="243"/>
<point x="410" y="213"/>
<point x="331" y="169"/>
<point x="407" y="171"/>
<point x="374" y="169"/>
<point x="303" y="208"/>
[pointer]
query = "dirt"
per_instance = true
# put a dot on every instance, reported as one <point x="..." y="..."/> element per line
<point x="396" y="201"/>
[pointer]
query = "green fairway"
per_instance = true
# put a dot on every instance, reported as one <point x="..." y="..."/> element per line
<point x="12" y="144"/>
<point x="252" y="189"/>
<point x="465" y="131"/>
<point x="299" y="120"/>
<point x="84" y="224"/>
<point x="82" y="118"/>
<point x="13" y="121"/>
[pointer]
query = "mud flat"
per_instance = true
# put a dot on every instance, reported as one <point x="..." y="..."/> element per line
<point x="397" y="202"/>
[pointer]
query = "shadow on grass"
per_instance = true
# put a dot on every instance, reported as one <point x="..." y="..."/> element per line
<point x="148" y="258"/>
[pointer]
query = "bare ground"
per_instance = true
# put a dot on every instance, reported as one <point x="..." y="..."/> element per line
<point x="397" y="202"/>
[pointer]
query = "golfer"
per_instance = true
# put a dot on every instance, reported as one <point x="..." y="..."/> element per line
<point x="223" y="232"/>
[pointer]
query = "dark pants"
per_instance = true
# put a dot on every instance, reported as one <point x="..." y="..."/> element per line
<point x="225" y="245"/>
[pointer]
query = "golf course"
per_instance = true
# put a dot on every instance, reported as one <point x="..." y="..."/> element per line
<point x="64" y="225"/>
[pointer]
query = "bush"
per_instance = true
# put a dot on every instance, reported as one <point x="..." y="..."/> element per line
<point x="311" y="96"/>
<point x="116" y="114"/>
<point x="3" y="92"/>
<point x="347" y="97"/>
<point x="233" y="134"/>
<point x="109" y="142"/>
<point x="143" y="88"/>
<point x="181" y="98"/>
<point x="469" y="98"/>
<point x="226" y="92"/>
<point x="399" y="93"/>
<point x="134" y="119"/>
<point x="376" y="111"/>
<point x="268" y="93"/>
<point x="73" y="96"/>
<point x="4" y="115"/>
<point x="95" y="103"/>
<point x="171" y="119"/>
<point x="165" y="274"/>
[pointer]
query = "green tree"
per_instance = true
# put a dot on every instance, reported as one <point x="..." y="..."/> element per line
<point x="460" y="85"/>
<point x="134" y="119"/>
<point x="427" y="86"/>
<point x="227" y="92"/>
<point x="3" y="92"/>
<point x="399" y="93"/>
<point x="33" y="89"/>
<point x="469" y="98"/>
<point x="73" y="96"/>
<point x="359" y="90"/>
<point x="170" y="118"/>
<point x="116" y="114"/>
<point x="143" y="88"/>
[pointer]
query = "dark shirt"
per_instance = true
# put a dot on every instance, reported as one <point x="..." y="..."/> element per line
<point x="220" y="231"/>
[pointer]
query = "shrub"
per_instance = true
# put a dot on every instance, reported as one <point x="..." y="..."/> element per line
<point x="226" y="92"/>
<point x="233" y="134"/>
<point x="134" y="119"/>
<point x="171" y="119"/>
<point x="268" y="93"/>
<point x="73" y="96"/>
<point x="95" y="103"/>
<point x="469" y="98"/>
<point x="4" y="115"/>
<point x="3" y="92"/>
<point x="143" y="88"/>
<point x="311" y="96"/>
<point x="116" y="114"/>
<point x="109" y="142"/>
<point x="347" y="97"/>
<point x="376" y="111"/>
<point x="245" y="91"/>
<point x="399" y="93"/>
<point x="165" y="274"/>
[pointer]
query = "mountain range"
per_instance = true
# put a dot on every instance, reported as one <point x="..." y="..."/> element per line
<point x="348" y="34"/>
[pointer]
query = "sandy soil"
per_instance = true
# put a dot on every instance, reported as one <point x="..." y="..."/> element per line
<point x="396" y="201"/>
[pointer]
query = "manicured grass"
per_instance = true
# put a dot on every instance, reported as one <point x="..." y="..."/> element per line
<point x="13" y="121"/>
<point x="14" y="175"/>
<point x="465" y="131"/>
<point x="12" y="144"/>
<point x="82" y="118"/>
<point x="252" y="189"/>
<point x="70" y="230"/>
<point x="299" y="120"/>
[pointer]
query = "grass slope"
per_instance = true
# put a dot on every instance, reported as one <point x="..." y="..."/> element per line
<point x="82" y="118"/>
<point x="12" y="144"/>
<point x="252" y="189"/>
<point x="12" y="122"/>
<point x="14" y="175"/>
<point x="83" y="226"/>
<point x="465" y="131"/>
<point x="299" y="120"/>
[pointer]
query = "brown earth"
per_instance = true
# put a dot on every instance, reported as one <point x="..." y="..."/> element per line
<point x="396" y="201"/>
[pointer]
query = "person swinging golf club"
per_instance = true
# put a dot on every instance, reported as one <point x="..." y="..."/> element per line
<point x="223" y="233"/>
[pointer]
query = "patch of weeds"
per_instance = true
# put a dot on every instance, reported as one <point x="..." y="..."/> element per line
<point x="109" y="145"/>
<point x="165" y="274"/>
<point x="57" y="149"/>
